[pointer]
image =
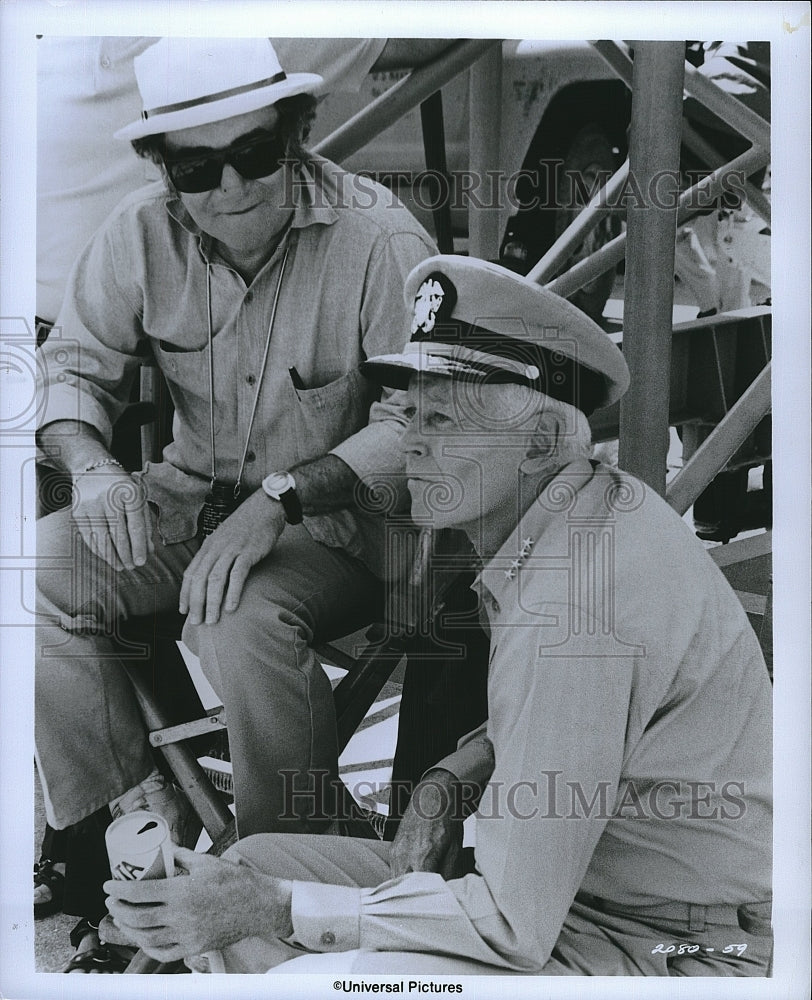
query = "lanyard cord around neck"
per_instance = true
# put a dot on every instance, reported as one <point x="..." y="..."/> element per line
<point x="238" y="484"/>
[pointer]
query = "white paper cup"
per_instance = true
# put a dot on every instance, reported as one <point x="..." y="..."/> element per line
<point x="139" y="847"/>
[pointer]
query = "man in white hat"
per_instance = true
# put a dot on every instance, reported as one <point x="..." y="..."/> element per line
<point x="257" y="277"/>
<point x="622" y="782"/>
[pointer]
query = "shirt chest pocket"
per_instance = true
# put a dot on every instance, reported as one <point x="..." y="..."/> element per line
<point x="187" y="372"/>
<point x="329" y="414"/>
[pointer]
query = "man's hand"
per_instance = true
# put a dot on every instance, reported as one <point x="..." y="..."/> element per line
<point x="214" y="579"/>
<point x="218" y="903"/>
<point x="429" y="837"/>
<point x="112" y="515"/>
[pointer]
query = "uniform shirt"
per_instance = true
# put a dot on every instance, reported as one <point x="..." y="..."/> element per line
<point x="138" y="291"/>
<point x="86" y="91"/>
<point x="629" y="722"/>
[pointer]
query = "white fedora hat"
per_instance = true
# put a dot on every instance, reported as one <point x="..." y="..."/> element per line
<point x="185" y="82"/>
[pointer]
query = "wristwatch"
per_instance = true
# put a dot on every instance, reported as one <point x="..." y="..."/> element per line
<point x="281" y="486"/>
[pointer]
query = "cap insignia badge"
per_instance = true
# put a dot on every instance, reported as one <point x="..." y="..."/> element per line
<point x="434" y="301"/>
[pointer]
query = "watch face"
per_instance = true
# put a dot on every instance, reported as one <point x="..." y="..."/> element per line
<point x="277" y="483"/>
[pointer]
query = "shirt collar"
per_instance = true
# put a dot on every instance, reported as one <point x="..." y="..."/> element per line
<point x="316" y="189"/>
<point x="498" y="578"/>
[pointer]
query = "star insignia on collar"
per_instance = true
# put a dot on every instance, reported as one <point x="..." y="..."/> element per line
<point x="514" y="566"/>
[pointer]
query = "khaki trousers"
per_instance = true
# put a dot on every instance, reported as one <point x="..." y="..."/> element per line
<point x="90" y="738"/>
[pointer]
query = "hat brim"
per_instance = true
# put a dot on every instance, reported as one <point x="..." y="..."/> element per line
<point x="215" y="111"/>
<point x="396" y="370"/>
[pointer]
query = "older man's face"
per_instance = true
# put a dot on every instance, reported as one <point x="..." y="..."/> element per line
<point x="463" y="453"/>
<point x="242" y="214"/>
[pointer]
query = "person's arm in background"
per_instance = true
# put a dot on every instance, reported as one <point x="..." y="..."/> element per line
<point x="404" y="53"/>
<point x="343" y="63"/>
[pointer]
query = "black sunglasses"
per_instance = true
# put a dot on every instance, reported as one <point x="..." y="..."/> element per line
<point x="259" y="156"/>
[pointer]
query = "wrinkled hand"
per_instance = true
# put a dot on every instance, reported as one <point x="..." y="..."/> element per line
<point x="111" y="512"/>
<point x="429" y="837"/>
<point x="218" y="903"/>
<point x="214" y="579"/>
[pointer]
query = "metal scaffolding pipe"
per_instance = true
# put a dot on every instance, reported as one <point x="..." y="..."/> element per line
<point x="400" y="98"/>
<point x="621" y="63"/>
<point x="610" y="253"/>
<point x="483" y="141"/>
<point x="576" y="232"/>
<point x="654" y="149"/>
<point x="724" y="441"/>
<point x="617" y="59"/>
<point x="743" y="119"/>
<point x="431" y="118"/>
<point x="697" y="144"/>
<point x="580" y="274"/>
<point x="731" y="110"/>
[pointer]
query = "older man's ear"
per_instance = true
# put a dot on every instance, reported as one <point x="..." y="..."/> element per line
<point x="544" y="444"/>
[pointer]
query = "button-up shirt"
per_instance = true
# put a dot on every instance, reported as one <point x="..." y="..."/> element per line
<point x="138" y="292"/>
<point x="628" y="739"/>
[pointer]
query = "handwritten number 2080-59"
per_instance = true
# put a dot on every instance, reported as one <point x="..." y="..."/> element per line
<point x="691" y="949"/>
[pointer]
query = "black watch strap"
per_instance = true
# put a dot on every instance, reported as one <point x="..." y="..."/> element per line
<point x="292" y="506"/>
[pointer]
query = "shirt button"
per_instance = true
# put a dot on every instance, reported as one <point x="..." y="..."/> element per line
<point x="249" y="297"/>
<point x="250" y="379"/>
<point x="105" y="62"/>
<point x="328" y="938"/>
<point x="251" y="456"/>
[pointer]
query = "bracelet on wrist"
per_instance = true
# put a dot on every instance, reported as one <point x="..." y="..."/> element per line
<point x="99" y="464"/>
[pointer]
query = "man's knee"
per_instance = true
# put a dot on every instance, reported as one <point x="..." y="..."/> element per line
<point x="264" y="620"/>
<point x="271" y="853"/>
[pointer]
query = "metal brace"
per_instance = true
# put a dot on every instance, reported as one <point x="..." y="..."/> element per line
<point x="212" y="722"/>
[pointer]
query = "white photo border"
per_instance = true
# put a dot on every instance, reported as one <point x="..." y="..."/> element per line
<point x="787" y="27"/>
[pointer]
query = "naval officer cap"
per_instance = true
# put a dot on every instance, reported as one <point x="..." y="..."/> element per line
<point x="476" y="321"/>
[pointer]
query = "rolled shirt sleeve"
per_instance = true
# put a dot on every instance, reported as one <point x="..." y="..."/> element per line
<point x="374" y="452"/>
<point x="85" y="375"/>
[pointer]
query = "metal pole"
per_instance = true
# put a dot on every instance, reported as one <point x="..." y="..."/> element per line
<point x="483" y="138"/>
<point x="652" y="228"/>
<point x="702" y="192"/>
<point x="743" y="119"/>
<point x="584" y="222"/>
<point x="400" y="98"/>
<point x="755" y="197"/>
<point x="431" y="118"/>
<point x="731" y="110"/>
<point x="723" y="442"/>
<point x="617" y="58"/>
